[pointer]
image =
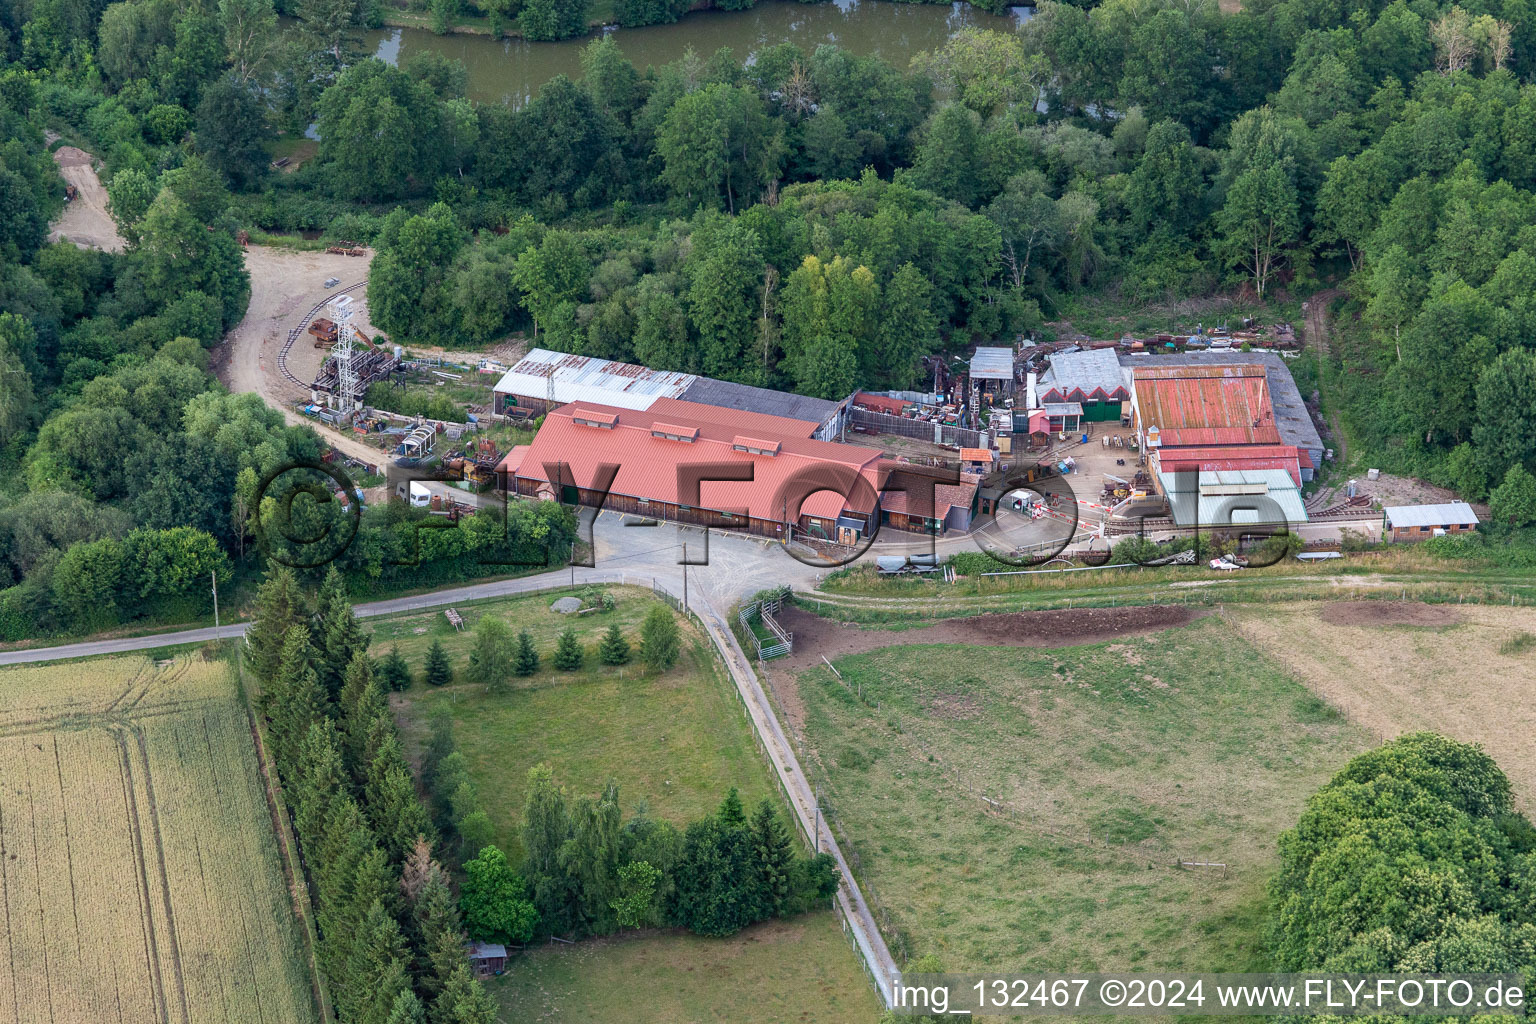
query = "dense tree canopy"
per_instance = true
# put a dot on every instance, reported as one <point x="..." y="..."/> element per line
<point x="1411" y="859"/>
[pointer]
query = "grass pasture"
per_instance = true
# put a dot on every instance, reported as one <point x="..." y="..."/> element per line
<point x="139" y="873"/>
<point x="1466" y="671"/>
<point x="676" y="741"/>
<point x="1109" y="763"/>
<point x="799" y="971"/>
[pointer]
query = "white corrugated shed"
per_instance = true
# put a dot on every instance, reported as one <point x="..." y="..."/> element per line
<point x="589" y="379"/>
<point x="1227" y="496"/>
<point x="992" y="363"/>
<point x="1450" y="513"/>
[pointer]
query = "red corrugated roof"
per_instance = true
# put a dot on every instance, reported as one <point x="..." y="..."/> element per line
<point x="648" y="465"/>
<point x="1259" y="456"/>
<point x="1206" y="405"/>
<point x="975" y="455"/>
<point x="760" y="443"/>
<point x="880" y="403"/>
<point x="915" y="493"/>
<point x="684" y="431"/>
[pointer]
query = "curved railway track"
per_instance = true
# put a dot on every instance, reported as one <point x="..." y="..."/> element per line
<point x="293" y="335"/>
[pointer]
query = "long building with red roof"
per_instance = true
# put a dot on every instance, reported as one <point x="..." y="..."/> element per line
<point x="712" y="466"/>
<point x="701" y="464"/>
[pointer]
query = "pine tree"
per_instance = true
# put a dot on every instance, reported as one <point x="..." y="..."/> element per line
<point x="418" y="869"/>
<point x="711" y="894"/>
<point x="297" y="702"/>
<point x="438" y="671"/>
<point x="659" y="643"/>
<point x="774" y="859"/>
<point x="407" y="1010"/>
<point x="526" y="661"/>
<point x="362" y="704"/>
<point x="435" y="917"/>
<point x="463" y="1000"/>
<point x="376" y="967"/>
<point x="340" y="637"/>
<point x="358" y="675"/>
<point x="568" y="653"/>
<point x="438" y="746"/>
<point x="614" y="649"/>
<point x="279" y="607"/>
<point x="390" y="799"/>
<point x="393" y="670"/>
<point x="351" y="871"/>
<point x="400" y="816"/>
<point x="730" y="811"/>
<point x="379" y="734"/>
<point x="324" y="777"/>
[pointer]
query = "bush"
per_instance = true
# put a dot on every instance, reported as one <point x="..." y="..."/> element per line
<point x="659" y="640"/>
<point x="973" y="563"/>
<point x="419" y="402"/>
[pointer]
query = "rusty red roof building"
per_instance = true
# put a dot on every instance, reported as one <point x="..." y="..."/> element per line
<point x="1263" y="456"/>
<point x="1197" y="406"/>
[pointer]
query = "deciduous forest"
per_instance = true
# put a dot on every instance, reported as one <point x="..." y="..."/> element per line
<point x="811" y="220"/>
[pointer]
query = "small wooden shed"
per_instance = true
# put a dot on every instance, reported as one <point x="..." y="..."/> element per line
<point x="487" y="958"/>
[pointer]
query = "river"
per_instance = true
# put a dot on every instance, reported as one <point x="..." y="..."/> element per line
<point x="511" y="70"/>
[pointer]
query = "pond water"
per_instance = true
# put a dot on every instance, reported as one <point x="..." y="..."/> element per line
<point x="511" y="70"/>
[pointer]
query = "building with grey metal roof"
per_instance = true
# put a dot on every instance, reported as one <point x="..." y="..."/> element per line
<point x="1074" y="376"/>
<point x="1450" y="513"/>
<point x="1292" y="419"/>
<point x="1233" y="497"/>
<point x="726" y="394"/>
<point x="992" y="363"/>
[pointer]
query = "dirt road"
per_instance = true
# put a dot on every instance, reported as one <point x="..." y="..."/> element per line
<point x="285" y="284"/>
<point x="85" y="221"/>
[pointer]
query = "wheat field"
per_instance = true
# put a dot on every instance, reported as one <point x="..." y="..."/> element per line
<point x="140" y="878"/>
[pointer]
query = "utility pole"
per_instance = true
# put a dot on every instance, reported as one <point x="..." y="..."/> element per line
<point x="215" y="577"/>
<point x="816" y="842"/>
<point x="685" y="577"/>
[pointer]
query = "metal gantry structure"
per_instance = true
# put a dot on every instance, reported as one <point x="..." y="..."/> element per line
<point x="353" y="364"/>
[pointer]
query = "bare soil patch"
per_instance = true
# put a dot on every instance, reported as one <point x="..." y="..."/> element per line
<point x="285" y="283"/>
<point x="1389" y="613"/>
<point x="817" y="637"/>
<point x="957" y="707"/>
<point x="85" y="220"/>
